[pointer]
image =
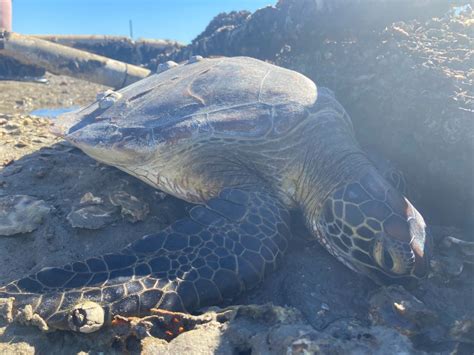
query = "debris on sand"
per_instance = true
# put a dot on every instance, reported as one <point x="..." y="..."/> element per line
<point x="92" y="213"/>
<point x="21" y="214"/>
<point x="132" y="209"/>
<point x="255" y="329"/>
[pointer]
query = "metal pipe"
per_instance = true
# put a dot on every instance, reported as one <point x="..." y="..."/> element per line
<point x="88" y="40"/>
<point x="6" y="15"/>
<point x="59" y="59"/>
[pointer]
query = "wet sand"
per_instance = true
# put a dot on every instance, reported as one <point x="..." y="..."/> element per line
<point x="22" y="133"/>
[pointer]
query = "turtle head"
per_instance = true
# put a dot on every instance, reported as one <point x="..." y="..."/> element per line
<point x="373" y="229"/>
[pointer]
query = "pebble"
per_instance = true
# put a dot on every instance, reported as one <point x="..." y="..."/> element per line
<point x="89" y="198"/>
<point x="132" y="209"/>
<point x="195" y="59"/>
<point x="395" y="307"/>
<point x="324" y="307"/>
<point x="165" y="66"/>
<point x="86" y="317"/>
<point x="23" y="134"/>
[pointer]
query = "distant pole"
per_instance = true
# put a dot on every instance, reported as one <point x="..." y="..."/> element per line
<point x="130" y="25"/>
<point x="6" y="15"/>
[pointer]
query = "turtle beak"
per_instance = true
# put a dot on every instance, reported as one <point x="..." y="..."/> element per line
<point x="57" y="130"/>
<point x="420" y="243"/>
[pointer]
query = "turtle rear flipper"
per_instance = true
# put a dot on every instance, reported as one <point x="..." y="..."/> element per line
<point x="222" y="249"/>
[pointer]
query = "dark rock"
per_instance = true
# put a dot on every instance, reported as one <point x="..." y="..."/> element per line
<point x="453" y="256"/>
<point x="463" y="330"/>
<point x="222" y="21"/>
<point x="299" y="23"/>
<point x="395" y="307"/>
<point x="12" y="69"/>
<point x="132" y="209"/>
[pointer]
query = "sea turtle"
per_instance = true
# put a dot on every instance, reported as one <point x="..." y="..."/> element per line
<point x="247" y="141"/>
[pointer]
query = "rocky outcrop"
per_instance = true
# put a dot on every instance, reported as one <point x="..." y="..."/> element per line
<point x="409" y="92"/>
<point x="12" y="69"/>
<point x="141" y="51"/>
<point x="301" y="24"/>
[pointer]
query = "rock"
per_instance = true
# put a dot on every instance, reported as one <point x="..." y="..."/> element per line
<point x="165" y="66"/>
<point x="464" y="248"/>
<point x="86" y="317"/>
<point x="195" y="59"/>
<point x="23" y="348"/>
<point x="21" y="214"/>
<point x="213" y="40"/>
<point x="21" y="135"/>
<point x="89" y="198"/>
<point x="12" y="69"/>
<point x="394" y="307"/>
<point x="451" y="256"/>
<point x="346" y="338"/>
<point x="295" y="23"/>
<point x="463" y="331"/>
<point x="92" y="217"/>
<point x="26" y="316"/>
<point x="207" y="340"/>
<point x="6" y="308"/>
<point x="446" y="268"/>
<point x="256" y="329"/>
<point x="132" y="209"/>
<point x="92" y="213"/>
<point x="419" y="130"/>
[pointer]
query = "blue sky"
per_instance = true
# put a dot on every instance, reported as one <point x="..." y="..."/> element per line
<point x="181" y="20"/>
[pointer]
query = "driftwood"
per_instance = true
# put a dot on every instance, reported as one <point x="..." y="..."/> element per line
<point x="59" y="59"/>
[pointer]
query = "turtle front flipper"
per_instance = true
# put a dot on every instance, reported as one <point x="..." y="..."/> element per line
<point x="222" y="249"/>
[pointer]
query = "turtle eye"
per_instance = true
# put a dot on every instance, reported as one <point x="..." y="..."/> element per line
<point x="387" y="260"/>
<point x="378" y="253"/>
<point x="382" y="256"/>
